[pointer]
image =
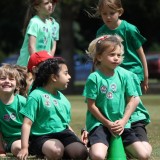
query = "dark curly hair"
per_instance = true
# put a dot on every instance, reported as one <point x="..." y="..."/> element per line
<point x="46" y="69"/>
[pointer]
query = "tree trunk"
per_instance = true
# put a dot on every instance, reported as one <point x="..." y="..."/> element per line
<point x="67" y="45"/>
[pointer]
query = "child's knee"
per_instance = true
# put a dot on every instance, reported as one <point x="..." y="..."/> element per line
<point x="97" y="155"/>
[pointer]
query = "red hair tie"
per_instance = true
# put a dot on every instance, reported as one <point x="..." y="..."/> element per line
<point x="102" y="39"/>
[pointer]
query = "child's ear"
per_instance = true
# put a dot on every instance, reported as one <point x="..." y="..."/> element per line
<point x="121" y="11"/>
<point x="54" y="77"/>
<point x="99" y="58"/>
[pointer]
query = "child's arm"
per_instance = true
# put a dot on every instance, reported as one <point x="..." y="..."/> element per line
<point x="2" y="151"/>
<point x="26" y="127"/>
<point x="54" y="48"/>
<point x="32" y="44"/>
<point x="144" y="63"/>
<point x="119" y="125"/>
<point x="97" y="114"/>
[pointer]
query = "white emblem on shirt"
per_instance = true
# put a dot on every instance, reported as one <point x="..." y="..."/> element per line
<point x="55" y="102"/>
<point x="113" y="87"/>
<point x="103" y="89"/>
<point x="13" y="116"/>
<point x="109" y="95"/>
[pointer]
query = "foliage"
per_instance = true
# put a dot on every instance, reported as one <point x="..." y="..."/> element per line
<point x="144" y="14"/>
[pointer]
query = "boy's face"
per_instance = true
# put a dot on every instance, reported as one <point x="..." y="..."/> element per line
<point x="7" y="84"/>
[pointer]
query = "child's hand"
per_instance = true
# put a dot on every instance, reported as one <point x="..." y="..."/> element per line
<point x="110" y="126"/>
<point x="84" y="137"/>
<point x="144" y="85"/>
<point x="2" y="154"/>
<point x="23" y="154"/>
<point x="118" y="127"/>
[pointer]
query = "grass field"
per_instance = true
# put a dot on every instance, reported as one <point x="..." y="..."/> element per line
<point x="152" y="103"/>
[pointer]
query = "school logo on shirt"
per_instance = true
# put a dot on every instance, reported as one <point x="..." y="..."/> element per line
<point x="109" y="95"/>
<point x="53" y="31"/>
<point x="113" y="87"/>
<point x="13" y="116"/>
<point x="8" y="117"/>
<point x="47" y="103"/>
<point x="55" y="102"/>
<point x="46" y="96"/>
<point x="47" y="100"/>
<point x="103" y="89"/>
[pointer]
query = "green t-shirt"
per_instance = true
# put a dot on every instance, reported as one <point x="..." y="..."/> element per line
<point x="49" y="113"/>
<point x="141" y="112"/>
<point x="43" y="33"/>
<point x="55" y="29"/>
<point x="109" y="94"/>
<point x="10" y="118"/>
<point x="132" y="40"/>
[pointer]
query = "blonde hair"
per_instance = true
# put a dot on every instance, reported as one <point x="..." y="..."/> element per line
<point x="99" y="45"/>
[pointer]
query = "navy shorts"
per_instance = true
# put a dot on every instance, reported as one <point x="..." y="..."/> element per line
<point x="137" y="132"/>
<point x="99" y="134"/>
<point x="66" y="137"/>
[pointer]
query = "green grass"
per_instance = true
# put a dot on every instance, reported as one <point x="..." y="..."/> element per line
<point x="152" y="103"/>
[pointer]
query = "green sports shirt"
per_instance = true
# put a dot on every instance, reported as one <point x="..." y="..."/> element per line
<point x="110" y="95"/>
<point x="10" y="118"/>
<point x="141" y="113"/>
<point x="49" y="113"/>
<point x="132" y="40"/>
<point x="43" y="33"/>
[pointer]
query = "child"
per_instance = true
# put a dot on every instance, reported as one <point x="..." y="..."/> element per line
<point x="52" y="137"/>
<point x="26" y="80"/>
<point x="38" y="30"/>
<point x="10" y="105"/>
<point x="134" y="57"/>
<point x="111" y="99"/>
<point x="139" y="119"/>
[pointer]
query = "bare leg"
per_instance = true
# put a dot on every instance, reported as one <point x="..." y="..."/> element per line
<point x="53" y="149"/>
<point x="75" y="150"/>
<point x="139" y="150"/>
<point x="98" y="151"/>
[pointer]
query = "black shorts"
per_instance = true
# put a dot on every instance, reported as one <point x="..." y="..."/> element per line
<point x="137" y="132"/>
<point x="99" y="134"/>
<point x="66" y="137"/>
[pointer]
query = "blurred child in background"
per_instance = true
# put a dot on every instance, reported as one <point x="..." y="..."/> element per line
<point x="10" y="105"/>
<point x="40" y="30"/>
<point x="134" y="58"/>
<point x="25" y="81"/>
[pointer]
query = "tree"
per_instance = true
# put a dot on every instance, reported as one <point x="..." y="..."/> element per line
<point x="69" y="11"/>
